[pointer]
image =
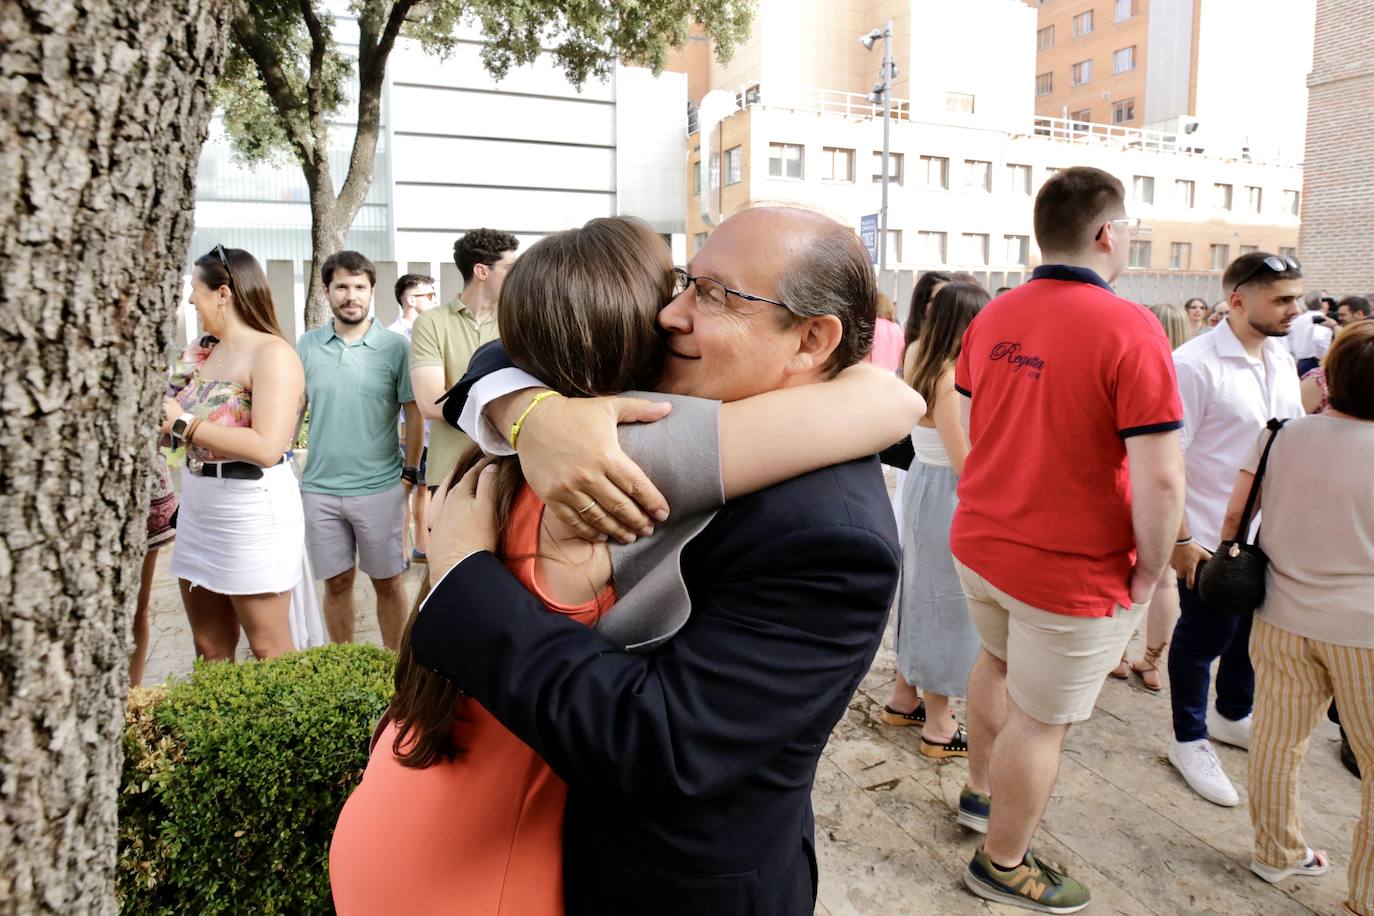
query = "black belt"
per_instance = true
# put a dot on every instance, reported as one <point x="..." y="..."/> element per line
<point x="229" y="470"/>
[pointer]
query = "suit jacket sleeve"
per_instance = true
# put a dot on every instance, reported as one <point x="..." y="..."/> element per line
<point x="782" y="628"/>
<point x="488" y="358"/>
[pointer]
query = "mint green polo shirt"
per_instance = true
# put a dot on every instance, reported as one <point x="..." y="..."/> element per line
<point x="354" y="393"/>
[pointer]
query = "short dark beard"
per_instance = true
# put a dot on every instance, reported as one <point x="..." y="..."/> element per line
<point x="352" y="324"/>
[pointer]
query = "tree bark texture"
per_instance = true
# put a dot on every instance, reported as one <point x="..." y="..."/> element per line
<point x="104" y="106"/>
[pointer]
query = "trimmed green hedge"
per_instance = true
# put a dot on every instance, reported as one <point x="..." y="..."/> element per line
<point x="233" y="781"/>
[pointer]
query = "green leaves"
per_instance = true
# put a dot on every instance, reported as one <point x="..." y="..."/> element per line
<point x="233" y="781"/>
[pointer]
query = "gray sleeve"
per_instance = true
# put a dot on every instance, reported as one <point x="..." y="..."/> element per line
<point x="681" y="455"/>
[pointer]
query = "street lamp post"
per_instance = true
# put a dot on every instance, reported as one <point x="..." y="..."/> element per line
<point x="883" y="92"/>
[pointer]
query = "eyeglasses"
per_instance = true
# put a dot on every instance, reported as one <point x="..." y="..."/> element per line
<point x="428" y="295"/>
<point x="1273" y="264"/>
<point x="224" y="259"/>
<point x="1133" y="224"/>
<point x="711" y="294"/>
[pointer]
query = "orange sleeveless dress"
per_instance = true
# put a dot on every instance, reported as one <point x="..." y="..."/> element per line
<point x="479" y="836"/>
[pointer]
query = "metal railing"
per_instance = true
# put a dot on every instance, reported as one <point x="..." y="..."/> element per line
<point x="1072" y="131"/>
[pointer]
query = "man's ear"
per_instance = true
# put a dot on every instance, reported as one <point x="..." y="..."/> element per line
<point x="817" y="339"/>
<point x="480" y="271"/>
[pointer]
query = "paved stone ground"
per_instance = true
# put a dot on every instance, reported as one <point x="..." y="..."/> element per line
<point x="1121" y="819"/>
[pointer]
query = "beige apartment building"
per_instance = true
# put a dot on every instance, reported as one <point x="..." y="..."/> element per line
<point x="969" y="151"/>
<point x="1090" y="60"/>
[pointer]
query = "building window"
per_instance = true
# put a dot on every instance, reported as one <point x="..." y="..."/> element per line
<point x="936" y="169"/>
<point x="1044" y="39"/>
<point x="837" y="164"/>
<point x="1018" y="249"/>
<point x="977" y="175"/>
<point x="1082" y="24"/>
<point x="1140" y="255"/>
<point x="1020" y="178"/>
<point x="696" y="178"/>
<point x="1286" y="252"/>
<point x="1125" y="9"/>
<point x="1044" y="83"/>
<point x="961" y="102"/>
<point x="1248" y="249"/>
<point x="932" y="248"/>
<point x="1181" y="256"/>
<point x="698" y="240"/>
<point x="1081" y="118"/>
<point x="1123" y="112"/>
<point x="1221" y="196"/>
<point x="1123" y="60"/>
<point x="1256" y="198"/>
<point x="1143" y="187"/>
<point x="1080" y="73"/>
<point x="784" y="160"/>
<point x="976" y="249"/>
<point x="1221" y="256"/>
<point x="1185" y="193"/>
<point x="1291" y="202"/>
<point x="734" y="165"/>
<point x="894" y="246"/>
<point x="894" y="168"/>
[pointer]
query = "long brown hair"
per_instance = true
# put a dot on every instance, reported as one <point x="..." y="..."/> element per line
<point x="920" y="301"/>
<point x="578" y="311"/>
<point x="247" y="283"/>
<point x="953" y="307"/>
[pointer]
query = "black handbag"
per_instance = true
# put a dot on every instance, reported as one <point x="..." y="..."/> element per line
<point x="1232" y="579"/>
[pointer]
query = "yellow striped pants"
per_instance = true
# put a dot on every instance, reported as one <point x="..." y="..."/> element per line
<point x="1295" y="679"/>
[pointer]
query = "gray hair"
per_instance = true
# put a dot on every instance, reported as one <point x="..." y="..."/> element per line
<point x="833" y="275"/>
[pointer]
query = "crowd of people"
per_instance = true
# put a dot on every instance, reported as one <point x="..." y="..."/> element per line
<point x="661" y="555"/>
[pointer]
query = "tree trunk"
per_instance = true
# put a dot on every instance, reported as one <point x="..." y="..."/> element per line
<point x="328" y="229"/>
<point x="104" y="106"/>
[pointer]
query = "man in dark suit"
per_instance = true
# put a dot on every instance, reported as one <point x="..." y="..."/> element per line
<point x="690" y="768"/>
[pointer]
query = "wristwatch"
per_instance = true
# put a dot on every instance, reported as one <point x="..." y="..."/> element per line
<point x="411" y="474"/>
<point x="179" y="426"/>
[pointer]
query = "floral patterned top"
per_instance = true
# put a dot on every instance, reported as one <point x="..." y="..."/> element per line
<point x="1318" y="376"/>
<point x="213" y="400"/>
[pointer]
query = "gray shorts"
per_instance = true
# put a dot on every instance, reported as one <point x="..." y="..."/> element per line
<point x="339" y="529"/>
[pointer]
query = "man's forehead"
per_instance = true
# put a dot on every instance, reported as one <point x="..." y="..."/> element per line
<point x="754" y="245"/>
<point x="344" y="276"/>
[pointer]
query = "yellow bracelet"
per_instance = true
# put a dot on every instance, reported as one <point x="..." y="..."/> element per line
<point x="515" y="428"/>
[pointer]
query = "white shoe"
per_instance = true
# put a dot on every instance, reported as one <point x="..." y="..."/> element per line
<point x="1200" y="768"/>
<point x="1235" y="732"/>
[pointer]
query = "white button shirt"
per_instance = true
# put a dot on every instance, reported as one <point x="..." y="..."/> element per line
<point x="1227" y="399"/>
<point x="1307" y="339"/>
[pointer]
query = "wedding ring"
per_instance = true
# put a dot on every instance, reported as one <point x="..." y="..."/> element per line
<point x="586" y="507"/>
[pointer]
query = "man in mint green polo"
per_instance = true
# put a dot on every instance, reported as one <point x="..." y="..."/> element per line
<point x="357" y="376"/>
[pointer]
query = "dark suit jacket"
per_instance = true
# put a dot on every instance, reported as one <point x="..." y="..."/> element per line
<point x="690" y="768"/>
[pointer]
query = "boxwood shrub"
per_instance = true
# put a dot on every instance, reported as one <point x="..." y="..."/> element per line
<point x="233" y="780"/>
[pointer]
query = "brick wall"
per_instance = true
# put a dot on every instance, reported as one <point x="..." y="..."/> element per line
<point x="1337" y="237"/>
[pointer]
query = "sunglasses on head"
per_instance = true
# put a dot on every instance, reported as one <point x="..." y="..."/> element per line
<point x="1273" y="264"/>
<point x="224" y="259"/>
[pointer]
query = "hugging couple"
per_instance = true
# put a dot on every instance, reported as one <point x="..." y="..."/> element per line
<point x="632" y="724"/>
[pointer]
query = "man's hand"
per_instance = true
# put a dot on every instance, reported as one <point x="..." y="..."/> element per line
<point x="1142" y="586"/>
<point x="572" y="459"/>
<point x="462" y="519"/>
<point x="1186" y="558"/>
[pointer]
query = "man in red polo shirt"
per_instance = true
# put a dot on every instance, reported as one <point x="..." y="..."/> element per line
<point x="1068" y="506"/>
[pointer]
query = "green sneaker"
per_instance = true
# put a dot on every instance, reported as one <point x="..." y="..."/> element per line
<point x="974" y="808"/>
<point x="1032" y="885"/>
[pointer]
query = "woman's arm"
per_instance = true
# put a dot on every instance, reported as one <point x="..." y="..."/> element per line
<point x="780" y="434"/>
<point x="1239" y="494"/>
<point x="1311" y="395"/>
<point x="945" y="413"/>
<point x="278" y="383"/>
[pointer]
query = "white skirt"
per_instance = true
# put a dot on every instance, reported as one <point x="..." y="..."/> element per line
<point x="247" y="537"/>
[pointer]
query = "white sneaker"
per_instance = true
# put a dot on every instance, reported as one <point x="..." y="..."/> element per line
<point x="1200" y="768"/>
<point x="1235" y="732"/>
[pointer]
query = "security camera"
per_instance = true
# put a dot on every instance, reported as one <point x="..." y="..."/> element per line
<point x="869" y="40"/>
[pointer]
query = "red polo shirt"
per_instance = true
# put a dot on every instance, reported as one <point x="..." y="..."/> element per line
<point x="1061" y="371"/>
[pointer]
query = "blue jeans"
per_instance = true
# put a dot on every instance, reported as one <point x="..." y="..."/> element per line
<point x="1201" y="636"/>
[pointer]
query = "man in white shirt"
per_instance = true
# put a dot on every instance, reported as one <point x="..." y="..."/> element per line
<point x="415" y="294"/>
<point x="1311" y="335"/>
<point x="1232" y="382"/>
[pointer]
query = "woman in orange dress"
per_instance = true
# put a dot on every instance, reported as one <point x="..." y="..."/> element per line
<point x="455" y="815"/>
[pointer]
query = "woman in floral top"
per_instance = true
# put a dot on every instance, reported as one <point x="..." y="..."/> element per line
<point x="233" y="405"/>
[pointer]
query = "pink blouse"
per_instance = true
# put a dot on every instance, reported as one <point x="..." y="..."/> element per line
<point x="213" y="400"/>
<point x="888" y="344"/>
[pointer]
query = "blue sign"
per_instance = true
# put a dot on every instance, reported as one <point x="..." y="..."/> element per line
<point x="868" y="234"/>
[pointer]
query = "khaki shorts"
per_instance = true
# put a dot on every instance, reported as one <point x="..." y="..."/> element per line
<point x="1056" y="664"/>
<point x="344" y="531"/>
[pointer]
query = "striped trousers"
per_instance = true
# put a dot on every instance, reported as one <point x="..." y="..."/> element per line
<point x="1295" y="679"/>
